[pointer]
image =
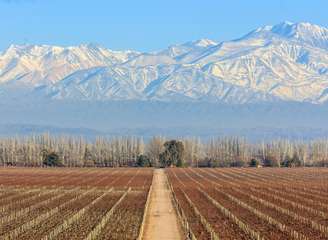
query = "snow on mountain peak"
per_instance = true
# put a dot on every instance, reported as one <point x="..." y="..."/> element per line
<point x="287" y="61"/>
<point x="289" y="29"/>
<point x="204" y="43"/>
<point x="43" y="64"/>
<point x="305" y="32"/>
<point x="21" y="50"/>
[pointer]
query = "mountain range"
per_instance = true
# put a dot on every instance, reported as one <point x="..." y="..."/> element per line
<point x="269" y="83"/>
<point x="287" y="62"/>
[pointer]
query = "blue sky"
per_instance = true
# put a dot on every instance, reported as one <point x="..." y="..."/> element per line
<point x="145" y="25"/>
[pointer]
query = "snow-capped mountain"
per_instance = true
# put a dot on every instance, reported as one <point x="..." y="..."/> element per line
<point x="34" y="65"/>
<point x="285" y="62"/>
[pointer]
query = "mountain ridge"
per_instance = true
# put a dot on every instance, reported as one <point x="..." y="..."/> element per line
<point x="284" y="62"/>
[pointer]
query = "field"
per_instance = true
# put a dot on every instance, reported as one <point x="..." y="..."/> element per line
<point x="72" y="203"/>
<point x="246" y="203"/>
<point x="211" y="203"/>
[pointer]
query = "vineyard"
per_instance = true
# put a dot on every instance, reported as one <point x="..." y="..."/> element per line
<point x="210" y="203"/>
<point x="246" y="203"/>
<point x="73" y="203"/>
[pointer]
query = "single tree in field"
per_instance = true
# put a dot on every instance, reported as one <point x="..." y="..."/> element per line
<point x="173" y="154"/>
<point x="51" y="159"/>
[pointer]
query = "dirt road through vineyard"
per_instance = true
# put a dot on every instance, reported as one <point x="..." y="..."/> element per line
<point x="161" y="219"/>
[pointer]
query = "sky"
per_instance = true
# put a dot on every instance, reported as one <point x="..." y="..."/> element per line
<point x="145" y="25"/>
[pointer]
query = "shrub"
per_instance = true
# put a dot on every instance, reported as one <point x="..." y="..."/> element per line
<point x="271" y="161"/>
<point x="292" y="161"/>
<point x="254" y="163"/>
<point x="143" y="161"/>
<point x="321" y="163"/>
<point x="206" y="163"/>
<point x="238" y="162"/>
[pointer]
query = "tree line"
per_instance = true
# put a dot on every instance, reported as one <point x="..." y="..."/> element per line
<point x="45" y="150"/>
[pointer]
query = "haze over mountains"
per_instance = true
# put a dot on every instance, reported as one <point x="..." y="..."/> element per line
<point x="271" y="65"/>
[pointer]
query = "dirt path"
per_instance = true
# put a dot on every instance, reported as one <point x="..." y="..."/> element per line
<point x="161" y="219"/>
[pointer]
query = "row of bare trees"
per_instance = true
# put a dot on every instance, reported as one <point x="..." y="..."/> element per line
<point x="131" y="151"/>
